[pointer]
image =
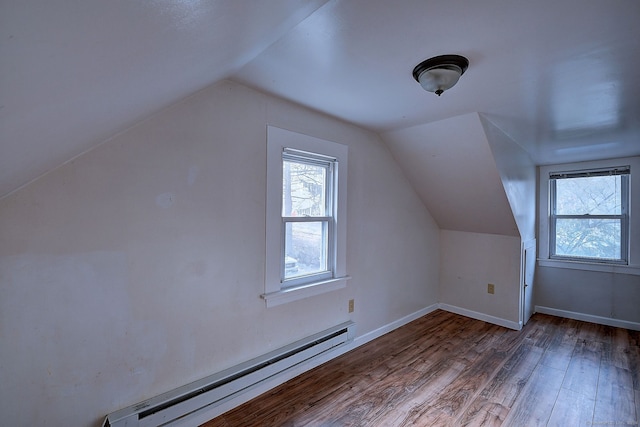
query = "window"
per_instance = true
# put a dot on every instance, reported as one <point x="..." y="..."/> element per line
<point x="589" y="215"/>
<point x="306" y="216"/>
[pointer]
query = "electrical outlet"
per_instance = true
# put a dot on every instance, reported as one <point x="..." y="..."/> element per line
<point x="351" y="306"/>
<point x="491" y="288"/>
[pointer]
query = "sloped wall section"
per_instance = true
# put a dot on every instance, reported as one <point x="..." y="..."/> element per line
<point x="518" y="174"/>
<point x="479" y="186"/>
<point x="452" y="168"/>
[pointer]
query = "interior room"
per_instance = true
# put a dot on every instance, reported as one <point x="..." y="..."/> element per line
<point x="162" y="236"/>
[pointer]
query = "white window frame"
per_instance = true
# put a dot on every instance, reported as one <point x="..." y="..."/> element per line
<point x="284" y="143"/>
<point x="546" y="259"/>
<point x="623" y="217"/>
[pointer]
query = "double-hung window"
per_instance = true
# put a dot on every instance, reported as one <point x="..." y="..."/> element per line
<point x="589" y="215"/>
<point x="305" y="216"/>
<point x="308" y="217"/>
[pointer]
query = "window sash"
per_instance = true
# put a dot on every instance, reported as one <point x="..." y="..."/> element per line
<point x="329" y="247"/>
<point x="329" y="163"/>
<point x="330" y="252"/>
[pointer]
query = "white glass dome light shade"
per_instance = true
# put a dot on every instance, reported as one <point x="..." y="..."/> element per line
<point x="438" y="80"/>
<point x="440" y="73"/>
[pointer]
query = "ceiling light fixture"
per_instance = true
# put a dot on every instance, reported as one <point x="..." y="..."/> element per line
<point x="440" y="73"/>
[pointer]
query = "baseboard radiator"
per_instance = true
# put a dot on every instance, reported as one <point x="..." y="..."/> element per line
<point x="170" y="407"/>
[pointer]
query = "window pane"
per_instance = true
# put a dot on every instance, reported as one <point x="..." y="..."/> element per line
<point x="591" y="238"/>
<point x="306" y="248"/>
<point x="304" y="189"/>
<point x="599" y="195"/>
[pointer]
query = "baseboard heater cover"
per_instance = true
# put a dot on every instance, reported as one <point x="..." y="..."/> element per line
<point x="162" y="410"/>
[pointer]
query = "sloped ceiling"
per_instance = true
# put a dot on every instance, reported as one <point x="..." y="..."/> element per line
<point x="559" y="77"/>
<point x="450" y="164"/>
<point x="74" y="73"/>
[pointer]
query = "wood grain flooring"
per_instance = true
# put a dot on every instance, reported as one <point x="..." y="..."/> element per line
<point x="448" y="370"/>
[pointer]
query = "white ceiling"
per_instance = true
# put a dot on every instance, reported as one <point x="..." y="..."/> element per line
<point x="560" y="77"/>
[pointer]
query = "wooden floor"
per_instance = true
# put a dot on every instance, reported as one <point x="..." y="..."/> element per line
<point x="449" y="370"/>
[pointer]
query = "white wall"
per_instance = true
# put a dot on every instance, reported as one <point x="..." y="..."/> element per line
<point x="137" y="267"/>
<point x="452" y="168"/>
<point x="518" y="175"/>
<point x="519" y="178"/>
<point x="475" y="180"/>
<point x="609" y="297"/>
<point x="610" y="293"/>
<point x="468" y="263"/>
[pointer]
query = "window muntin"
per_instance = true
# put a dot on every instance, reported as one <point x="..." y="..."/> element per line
<point x="308" y="217"/>
<point x="588" y="218"/>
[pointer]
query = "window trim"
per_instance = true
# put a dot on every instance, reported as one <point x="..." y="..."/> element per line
<point x="280" y="141"/>
<point x="544" y="259"/>
<point x="623" y="217"/>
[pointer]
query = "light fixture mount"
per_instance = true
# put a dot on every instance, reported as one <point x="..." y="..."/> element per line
<point x="440" y="73"/>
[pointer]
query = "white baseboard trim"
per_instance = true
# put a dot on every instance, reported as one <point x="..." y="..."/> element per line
<point x="608" y="321"/>
<point x="370" y="336"/>
<point x="481" y="316"/>
<point x="205" y="414"/>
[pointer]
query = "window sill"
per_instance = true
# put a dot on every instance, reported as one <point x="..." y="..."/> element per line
<point x="304" y="291"/>
<point x="590" y="266"/>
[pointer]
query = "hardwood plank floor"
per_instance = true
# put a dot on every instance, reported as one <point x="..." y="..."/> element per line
<point x="448" y="370"/>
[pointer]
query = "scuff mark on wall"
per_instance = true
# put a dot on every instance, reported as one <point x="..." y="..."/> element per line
<point x="165" y="200"/>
